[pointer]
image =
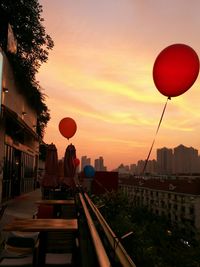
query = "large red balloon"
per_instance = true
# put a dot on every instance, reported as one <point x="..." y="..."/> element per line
<point x="67" y="127"/>
<point x="175" y="69"/>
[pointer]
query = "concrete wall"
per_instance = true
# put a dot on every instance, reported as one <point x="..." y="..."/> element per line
<point x="14" y="99"/>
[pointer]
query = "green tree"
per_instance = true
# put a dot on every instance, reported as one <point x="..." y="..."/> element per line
<point x="154" y="242"/>
<point x="33" y="45"/>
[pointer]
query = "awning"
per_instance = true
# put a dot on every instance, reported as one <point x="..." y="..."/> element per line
<point x="7" y="112"/>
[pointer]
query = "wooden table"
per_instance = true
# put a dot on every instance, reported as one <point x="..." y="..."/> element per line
<point x="56" y="203"/>
<point x="43" y="226"/>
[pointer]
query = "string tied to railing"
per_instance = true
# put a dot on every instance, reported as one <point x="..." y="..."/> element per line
<point x="118" y="240"/>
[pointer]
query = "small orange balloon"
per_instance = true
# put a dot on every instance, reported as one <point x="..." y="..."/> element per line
<point x="67" y="127"/>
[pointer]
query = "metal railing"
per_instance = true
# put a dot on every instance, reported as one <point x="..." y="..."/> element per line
<point x="114" y="241"/>
<point x="90" y="211"/>
<point x="102" y="257"/>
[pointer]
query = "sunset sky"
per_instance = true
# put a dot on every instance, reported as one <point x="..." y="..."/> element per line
<point x="100" y="74"/>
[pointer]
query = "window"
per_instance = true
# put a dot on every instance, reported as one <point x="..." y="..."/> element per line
<point x="191" y="210"/>
<point x="182" y="199"/>
<point x="28" y="164"/>
<point x="157" y="212"/>
<point x="183" y="209"/>
<point x="162" y="204"/>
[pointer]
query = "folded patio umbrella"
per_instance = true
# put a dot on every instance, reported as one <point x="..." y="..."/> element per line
<point x="69" y="166"/>
<point x="50" y="179"/>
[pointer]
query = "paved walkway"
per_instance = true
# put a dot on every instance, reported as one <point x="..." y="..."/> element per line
<point x="22" y="207"/>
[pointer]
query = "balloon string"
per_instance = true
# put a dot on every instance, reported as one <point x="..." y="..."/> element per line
<point x="145" y="165"/>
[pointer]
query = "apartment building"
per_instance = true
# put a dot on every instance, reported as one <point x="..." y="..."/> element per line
<point x="165" y="160"/>
<point x="178" y="200"/>
<point x="179" y="160"/>
<point x="186" y="160"/>
<point x="99" y="164"/>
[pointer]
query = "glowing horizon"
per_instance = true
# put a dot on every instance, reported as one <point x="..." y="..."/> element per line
<point x="100" y="74"/>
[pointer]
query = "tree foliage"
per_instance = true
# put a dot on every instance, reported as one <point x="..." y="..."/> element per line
<point x="154" y="242"/>
<point x="33" y="45"/>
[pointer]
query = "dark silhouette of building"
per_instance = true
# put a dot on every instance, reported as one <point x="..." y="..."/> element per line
<point x="104" y="181"/>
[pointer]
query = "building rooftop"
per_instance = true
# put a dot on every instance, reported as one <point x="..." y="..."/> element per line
<point x="190" y="186"/>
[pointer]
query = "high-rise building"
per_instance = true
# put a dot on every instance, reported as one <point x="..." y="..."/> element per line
<point x="140" y="166"/>
<point x="164" y="160"/>
<point x="96" y="164"/>
<point x="133" y="168"/>
<point x="99" y="164"/>
<point x="84" y="162"/>
<point x="185" y="159"/>
<point x="151" y="167"/>
<point x="123" y="169"/>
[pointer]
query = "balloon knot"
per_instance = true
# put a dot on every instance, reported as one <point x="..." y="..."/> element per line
<point x="169" y="98"/>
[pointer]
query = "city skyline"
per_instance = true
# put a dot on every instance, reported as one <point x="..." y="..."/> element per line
<point x="140" y="162"/>
<point x="97" y="163"/>
<point x="100" y="74"/>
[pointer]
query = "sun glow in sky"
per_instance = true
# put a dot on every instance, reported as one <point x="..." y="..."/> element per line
<point x="100" y="74"/>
